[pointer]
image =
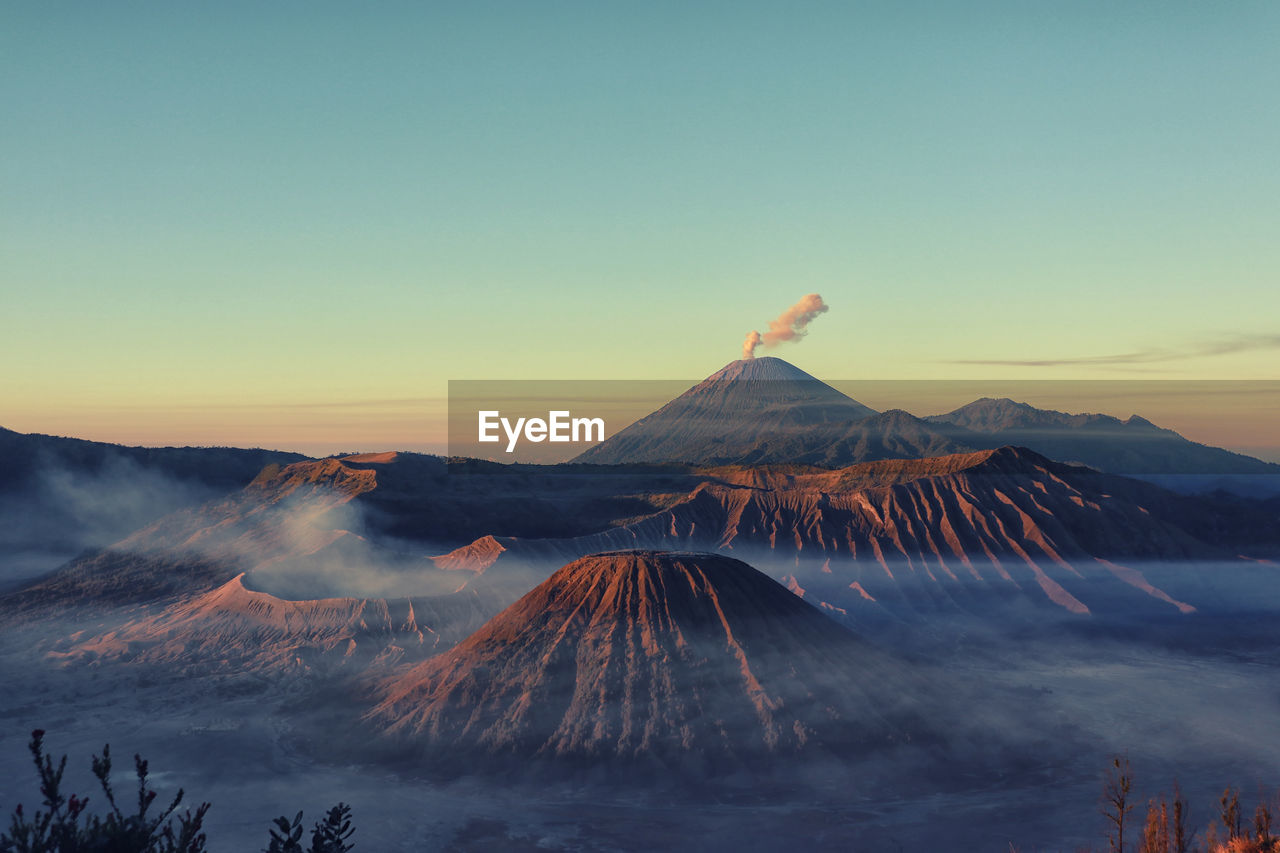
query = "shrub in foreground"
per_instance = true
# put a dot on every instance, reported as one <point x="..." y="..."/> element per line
<point x="65" y="825"/>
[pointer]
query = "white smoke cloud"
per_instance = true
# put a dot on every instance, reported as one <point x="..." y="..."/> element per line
<point x="789" y="326"/>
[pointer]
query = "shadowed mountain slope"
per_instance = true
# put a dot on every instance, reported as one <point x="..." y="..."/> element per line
<point x="59" y="496"/>
<point x="276" y="517"/>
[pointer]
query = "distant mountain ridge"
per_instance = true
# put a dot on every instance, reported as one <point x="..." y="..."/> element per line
<point x="894" y="434"/>
<point x="1130" y="446"/>
<point x="26" y="454"/>
<point x="766" y="411"/>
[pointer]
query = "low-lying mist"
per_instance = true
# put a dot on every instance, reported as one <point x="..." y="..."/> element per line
<point x="1040" y="697"/>
<point x="56" y="511"/>
<point x="1062" y="697"/>
<point x="95" y="507"/>
<point x="330" y="555"/>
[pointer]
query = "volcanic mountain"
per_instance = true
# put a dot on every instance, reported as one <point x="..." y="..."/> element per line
<point x="916" y="536"/>
<point x="764" y="411"/>
<point x="728" y="413"/>
<point x="674" y="661"/>
<point x="236" y="629"/>
<point x="323" y="559"/>
<point x="334" y="551"/>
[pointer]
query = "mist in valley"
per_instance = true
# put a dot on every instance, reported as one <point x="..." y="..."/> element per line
<point x="57" y="511"/>
<point x="1037" y="710"/>
<point x="241" y="697"/>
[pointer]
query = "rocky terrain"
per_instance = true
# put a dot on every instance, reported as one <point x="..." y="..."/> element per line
<point x="964" y="532"/>
<point x="945" y="619"/>
<point x="663" y="662"/>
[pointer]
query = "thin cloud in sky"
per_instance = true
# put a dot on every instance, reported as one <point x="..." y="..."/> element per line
<point x="1241" y="343"/>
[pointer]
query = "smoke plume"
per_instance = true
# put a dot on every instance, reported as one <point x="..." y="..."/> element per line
<point x="789" y="326"/>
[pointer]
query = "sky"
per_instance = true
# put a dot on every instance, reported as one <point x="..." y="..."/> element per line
<point x="291" y="224"/>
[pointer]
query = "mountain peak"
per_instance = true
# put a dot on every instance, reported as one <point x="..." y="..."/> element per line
<point x="996" y="404"/>
<point x="1003" y="402"/>
<point x="763" y="368"/>
<point x="666" y="657"/>
<point x="727" y="414"/>
<point x="988" y="414"/>
<point x="749" y="383"/>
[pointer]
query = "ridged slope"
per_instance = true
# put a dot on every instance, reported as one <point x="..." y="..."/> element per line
<point x="1007" y="522"/>
<point x="687" y="660"/>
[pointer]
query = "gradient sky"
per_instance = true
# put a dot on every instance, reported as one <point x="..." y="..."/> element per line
<point x="290" y="224"/>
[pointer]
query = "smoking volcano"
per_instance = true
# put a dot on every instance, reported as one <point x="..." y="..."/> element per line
<point x="733" y="410"/>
